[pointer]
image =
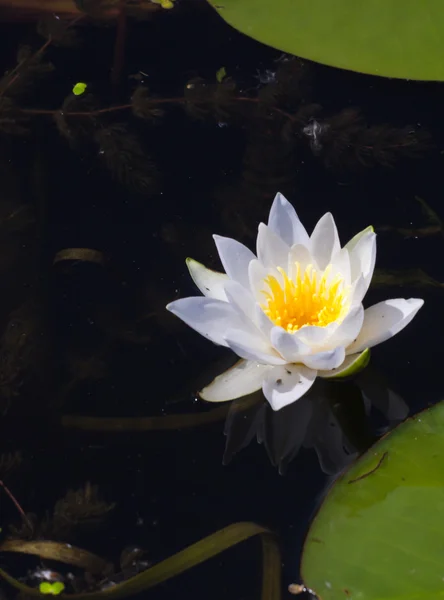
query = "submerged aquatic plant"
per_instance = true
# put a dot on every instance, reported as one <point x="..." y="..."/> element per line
<point x="292" y="313"/>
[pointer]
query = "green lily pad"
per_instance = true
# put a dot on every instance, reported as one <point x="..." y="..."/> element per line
<point x="379" y="535"/>
<point x="393" y="38"/>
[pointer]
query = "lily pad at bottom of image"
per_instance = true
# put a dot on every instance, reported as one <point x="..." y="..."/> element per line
<point x="379" y="535"/>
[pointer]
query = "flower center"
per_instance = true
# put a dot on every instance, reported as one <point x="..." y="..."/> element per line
<point x="309" y="298"/>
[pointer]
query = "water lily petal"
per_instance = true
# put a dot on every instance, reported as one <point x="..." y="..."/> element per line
<point x="313" y="336"/>
<point x="257" y="274"/>
<point x="341" y="266"/>
<point x="272" y="251"/>
<point x="235" y="258"/>
<point x="262" y="322"/>
<point x="285" y="223"/>
<point x="211" y="318"/>
<point x="347" y="331"/>
<point x="240" y="298"/>
<point x="363" y="257"/>
<point x="325" y="241"/>
<point x="288" y="345"/>
<point x="299" y="254"/>
<point x="252" y="347"/>
<point x="384" y="320"/>
<point x="253" y="318"/>
<point x="331" y="359"/>
<point x="284" y="385"/>
<point x="210" y="283"/>
<point x="355" y="239"/>
<point x="245" y="377"/>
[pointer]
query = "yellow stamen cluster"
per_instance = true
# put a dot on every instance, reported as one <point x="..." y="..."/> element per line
<point x="307" y="299"/>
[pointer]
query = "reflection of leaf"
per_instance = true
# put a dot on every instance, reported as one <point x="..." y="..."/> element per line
<point x="411" y="277"/>
<point x="431" y="216"/>
<point x="434" y="224"/>
<point x="379" y="532"/>
<point x="186" y="559"/>
<point x="80" y="254"/>
<point x="410" y="232"/>
<point x="61" y="552"/>
<point x="168" y="422"/>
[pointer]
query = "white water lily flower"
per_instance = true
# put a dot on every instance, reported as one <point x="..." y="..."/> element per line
<point x="292" y="313"/>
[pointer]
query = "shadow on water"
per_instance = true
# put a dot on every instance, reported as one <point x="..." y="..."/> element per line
<point x="98" y="212"/>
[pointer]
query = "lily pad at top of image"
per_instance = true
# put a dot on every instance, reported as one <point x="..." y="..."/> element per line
<point x="379" y="535"/>
<point x="391" y="38"/>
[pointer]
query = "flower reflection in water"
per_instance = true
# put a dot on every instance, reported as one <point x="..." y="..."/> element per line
<point x="337" y="420"/>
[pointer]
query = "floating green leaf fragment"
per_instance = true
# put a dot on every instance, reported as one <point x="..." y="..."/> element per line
<point x="167" y="4"/>
<point x="221" y="74"/>
<point x="79" y="88"/>
<point x="46" y="587"/>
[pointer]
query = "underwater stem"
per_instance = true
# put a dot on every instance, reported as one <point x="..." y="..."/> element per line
<point x="17" y="505"/>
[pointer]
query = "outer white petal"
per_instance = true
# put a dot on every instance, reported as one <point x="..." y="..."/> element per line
<point x="211" y="318"/>
<point x="355" y="239"/>
<point x="245" y="377"/>
<point x="285" y="223"/>
<point x="363" y="257"/>
<point x="284" y="385"/>
<point x="331" y="359"/>
<point x="252" y="347"/>
<point x="324" y="241"/>
<point x="298" y="254"/>
<point x="358" y="291"/>
<point x="240" y="298"/>
<point x="384" y="320"/>
<point x="272" y="251"/>
<point x="210" y="283"/>
<point x="288" y="345"/>
<point x="235" y="258"/>
<point x="348" y="330"/>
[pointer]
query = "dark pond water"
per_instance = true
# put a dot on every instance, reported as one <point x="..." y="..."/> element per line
<point x="89" y="335"/>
